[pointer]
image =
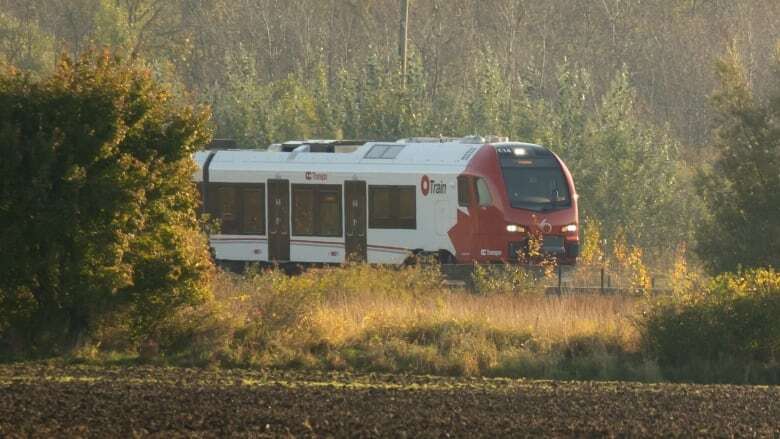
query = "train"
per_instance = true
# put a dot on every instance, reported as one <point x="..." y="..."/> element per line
<point x="459" y="200"/>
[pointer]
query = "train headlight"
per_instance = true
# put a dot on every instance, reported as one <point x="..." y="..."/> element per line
<point x="571" y="228"/>
<point x="520" y="151"/>
<point x="514" y="228"/>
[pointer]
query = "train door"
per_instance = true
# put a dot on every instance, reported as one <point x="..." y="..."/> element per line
<point x="490" y="224"/>
<point x="469" y="229"/>
<point x="355" y="244"/>
<point x="278" y="220"/>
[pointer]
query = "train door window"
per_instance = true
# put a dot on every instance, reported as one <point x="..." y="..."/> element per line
<point x="254" y="212"/>
<point x="228" y="209"/>
<point x="464" y="190"/>
<point x="329" y="211"/>
<point x="392" y="207"/>
<point x="483" y="193"/>
<point x="316" y="210"/>
<point x="303" y="210"/>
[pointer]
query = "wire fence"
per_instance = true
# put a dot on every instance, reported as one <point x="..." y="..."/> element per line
<point x="580" y="279"/>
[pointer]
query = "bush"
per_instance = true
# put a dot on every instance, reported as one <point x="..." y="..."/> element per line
<point x="97" y="207"/>
<point x="731" y="333"/>
<point x="505" y="278"/>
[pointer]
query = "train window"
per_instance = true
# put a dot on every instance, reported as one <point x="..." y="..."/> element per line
<point x="392" y="207"/>
<point x="254" y="211"/>
<point x="316" y="210"/>
<point x="407" y="208"/>
<point x="381" y="205"/>
<point x="228" y="210"/>
<point x="240" y="208"/>
<point x="483" y="193"/>
<point x="463" y="191"/>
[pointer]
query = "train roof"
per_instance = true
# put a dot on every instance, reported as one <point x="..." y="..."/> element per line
<point x="431" y="155"/>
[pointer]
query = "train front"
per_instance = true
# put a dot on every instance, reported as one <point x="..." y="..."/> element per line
<point x="537" y="215"/>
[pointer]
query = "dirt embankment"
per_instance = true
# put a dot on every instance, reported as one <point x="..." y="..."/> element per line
<point x="100" y="402"/>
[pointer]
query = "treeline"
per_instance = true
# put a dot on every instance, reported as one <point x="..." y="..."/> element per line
<point x="620" y="89"/>
<point x="667" y="48"/>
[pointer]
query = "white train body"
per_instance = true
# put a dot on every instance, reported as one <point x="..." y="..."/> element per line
<point x="380" y="203"/>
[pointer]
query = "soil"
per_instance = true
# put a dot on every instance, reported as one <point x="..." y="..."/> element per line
<point x="44" y="401"/>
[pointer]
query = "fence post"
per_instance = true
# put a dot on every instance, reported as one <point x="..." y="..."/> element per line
<point x="560" y="278"/>
<point x="602" y="280"/>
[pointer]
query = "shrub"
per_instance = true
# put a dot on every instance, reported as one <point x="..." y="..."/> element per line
<point x="97" y="208"/>
<point x="505" y="278"/>
<point x="729" y="334"/>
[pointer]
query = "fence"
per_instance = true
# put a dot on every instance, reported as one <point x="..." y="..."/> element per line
<point x="580" y="279"/>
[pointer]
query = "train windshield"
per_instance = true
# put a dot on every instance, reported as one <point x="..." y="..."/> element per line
<point x="538" y="189"/>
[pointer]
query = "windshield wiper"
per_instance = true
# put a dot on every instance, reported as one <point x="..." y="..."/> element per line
<point x="554" y="195"/>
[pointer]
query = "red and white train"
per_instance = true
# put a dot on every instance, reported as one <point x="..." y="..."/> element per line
<point x="464" y="200"/>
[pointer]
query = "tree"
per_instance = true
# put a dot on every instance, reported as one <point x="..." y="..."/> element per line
<point x="742" y="189"/>
<point x="97" y="208"/>
<point x="627" y="173"/>
<point x="25" y="45"/>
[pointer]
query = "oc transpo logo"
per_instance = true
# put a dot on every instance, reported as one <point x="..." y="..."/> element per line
<point x="430" y="186"/>
<point x="310" y="175"/>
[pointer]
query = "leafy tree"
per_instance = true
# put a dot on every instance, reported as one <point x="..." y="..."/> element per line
<point x="25" y="45"/>
<point x="489" y="105"/>
<point x="292" y="112"/>
<point x="97" y="208"/>
<point x="627" y="171"/>
<point x="415" y="109"/>
<point x="742" y="189"/>
<point x="327" y="112"/>
<point x="239" y="104"/>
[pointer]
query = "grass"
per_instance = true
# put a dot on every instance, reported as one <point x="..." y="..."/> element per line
<point x="380" y="319"/>
<point x="363" y="318"/>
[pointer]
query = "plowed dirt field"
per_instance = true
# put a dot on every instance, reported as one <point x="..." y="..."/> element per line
<point x="44" y="401"/>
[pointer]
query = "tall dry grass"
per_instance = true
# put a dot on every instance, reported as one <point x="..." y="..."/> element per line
<point x="402" y="320"/>
<point x="407" y="320"/>
<point x="553" y="319"/>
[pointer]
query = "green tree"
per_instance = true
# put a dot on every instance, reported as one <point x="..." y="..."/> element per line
<point x="626" y="172"/>
<point x="97" y="208"/>
<point x="742" y="189"/>
<point x="25" y="45"/>
<point x="240" y="110"/>
<point x="490" y="101"/>
<point x="292" y="112"/>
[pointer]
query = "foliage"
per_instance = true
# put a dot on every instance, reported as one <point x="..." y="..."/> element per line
<point x="502" y="279"/>
<point x="96" y="204"/>
<point x="627" y="174"/>
<point x="591" y="244"/>
<point x="25" y="45"/>
<point x="629" y="260"/>
<point x="742" y="189"/>
<point x="729" y="333"/>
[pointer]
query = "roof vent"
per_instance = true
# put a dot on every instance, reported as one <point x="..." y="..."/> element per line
<point x="384" y="151"/>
